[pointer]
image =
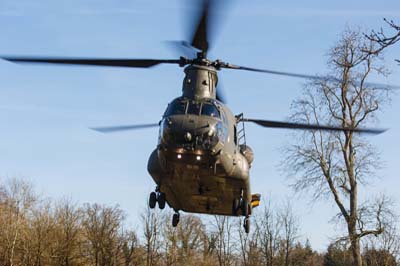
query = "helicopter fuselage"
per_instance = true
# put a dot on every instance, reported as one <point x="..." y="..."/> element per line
<point x="199" y="163"/>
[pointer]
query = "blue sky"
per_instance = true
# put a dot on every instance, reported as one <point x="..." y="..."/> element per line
<point x="45" y="111"/>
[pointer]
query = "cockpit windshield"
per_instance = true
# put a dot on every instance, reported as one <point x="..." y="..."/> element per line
<point x="210" y="110"/>
<point x="181" y="107"/>
<point x="194" y="108"/>
<point x="176" y="108"/>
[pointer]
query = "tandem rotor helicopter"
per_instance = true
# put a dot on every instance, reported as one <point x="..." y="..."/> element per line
<point x="201" y="163"/>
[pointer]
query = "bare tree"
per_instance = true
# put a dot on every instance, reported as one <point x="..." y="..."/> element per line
<point x="184" y="243"/>
<point x="250" y="248"/>
<point x="269" y="227"/>
<point x="290" y="230"/>
<point x="383" y="39"/>
<point x="338" y="254"/>
<point x="18" y="201"/>
<point x="378" y="257"/>
<point x="384" y="248"/>
<point x="131" y="249"/>
<point x="101" y="227"/>
<point x="41" y="234"/>
<point x="152" y="223"/>
<point x="224" y="242"/>
<point x="209" y="249"/>
<point x="333" y="164"/>
<point x="68" y="233"/>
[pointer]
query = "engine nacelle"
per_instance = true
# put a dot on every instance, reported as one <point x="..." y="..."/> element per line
<point x="247" y="153"/>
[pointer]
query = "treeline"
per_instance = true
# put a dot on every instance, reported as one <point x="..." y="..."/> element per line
<point x="38" y="231"/>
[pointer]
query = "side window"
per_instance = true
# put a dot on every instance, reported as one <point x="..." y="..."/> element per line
<point x="224" y="119"/>
<point x="210" y="110"/>
<point x="235" y="135"/>
<point x="176" y="108"/>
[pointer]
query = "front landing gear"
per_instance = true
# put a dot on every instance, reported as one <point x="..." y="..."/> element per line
<point x="155" y="197"/>
<point x="152" y="200"/>
<point x="175" y="219"/>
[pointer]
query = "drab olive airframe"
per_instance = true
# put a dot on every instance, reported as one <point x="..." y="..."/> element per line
<point x="201" y="163"/>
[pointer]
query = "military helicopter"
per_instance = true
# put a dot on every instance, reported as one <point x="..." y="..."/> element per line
<point x="202" y="161"/>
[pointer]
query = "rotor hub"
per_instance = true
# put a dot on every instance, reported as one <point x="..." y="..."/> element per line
<point x="200" y="81"/>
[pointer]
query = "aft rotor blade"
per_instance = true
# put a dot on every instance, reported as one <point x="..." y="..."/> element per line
<point x="220" y="93"/>
<point x="287" y="125"/>
<point x="305" y="76"/>
<point x="113" y="62"/>
<point x="122" y="128"/>
<point x="220" y="96"/>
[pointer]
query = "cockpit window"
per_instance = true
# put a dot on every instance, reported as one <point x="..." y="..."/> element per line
<point x="176" y="108"/>
<point x="210" y="110"/>
<point x="194" y="108"/>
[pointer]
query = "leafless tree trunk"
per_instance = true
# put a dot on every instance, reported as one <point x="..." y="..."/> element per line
<point x="250" y="248"/>
<point x="336" y="163"/>
<point x="269" y="228"/>
<point x="290" y="230"/>
<point x="152" y="222"/>
<point x="244" y="240"/>
<point x="224" y="243"/>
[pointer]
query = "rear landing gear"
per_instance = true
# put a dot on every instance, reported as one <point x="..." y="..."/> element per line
<point x="246" y="224"/>
<point x="244" y="207"/>
<point x="240" y="206"/>
<point x="155" y="197"/>
<point x="175" y="219"/>
<point x="161" y="200"/>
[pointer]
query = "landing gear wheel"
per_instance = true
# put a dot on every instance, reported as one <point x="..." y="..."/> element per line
<point x="235" y="206"/>
<point x="175" y="219"/>
<point x="161" y="200"/>
<point x="246" y="225"/>
<point x="245" y="208"/>
<point x="152" y="200"/>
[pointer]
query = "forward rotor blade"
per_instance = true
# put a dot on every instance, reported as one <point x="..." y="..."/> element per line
<point x="305" y="76"/>
<point x="141" y="63"/>
<point x="200" y="36"/>
<point x="122" y="128"/>
<point x="182" y="48"/>
<point x="278" y="124"/>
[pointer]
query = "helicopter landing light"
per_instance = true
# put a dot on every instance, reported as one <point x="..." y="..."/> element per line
<point x="198" y="158"/>
<point x="179" y="156"/>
